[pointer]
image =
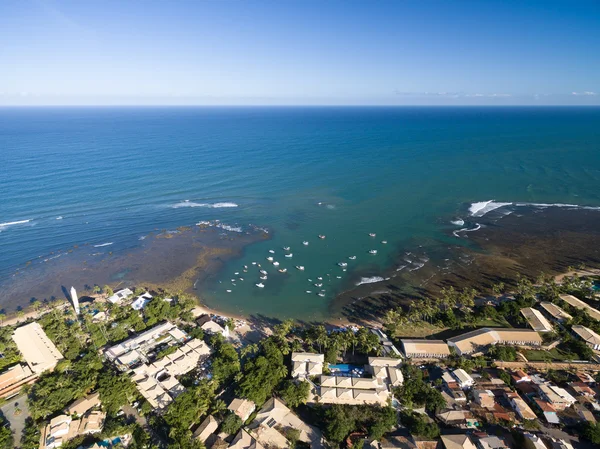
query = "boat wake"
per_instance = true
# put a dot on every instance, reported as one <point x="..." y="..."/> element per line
<point x="371" y="280"/>
<point x="188" y="203"/>
<point x="12" y="223"/>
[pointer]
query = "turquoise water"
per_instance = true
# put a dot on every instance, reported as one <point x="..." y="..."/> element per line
<point x="108" y="176"/>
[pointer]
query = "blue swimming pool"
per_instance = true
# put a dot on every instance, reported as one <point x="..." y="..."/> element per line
<point x="345" y="368"/>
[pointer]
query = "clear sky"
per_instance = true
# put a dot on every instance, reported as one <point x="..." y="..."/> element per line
<point x="286" y="52"/>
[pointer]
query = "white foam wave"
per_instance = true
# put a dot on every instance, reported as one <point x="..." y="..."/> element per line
<point x="371" y="280"/>
<point x="459" y="222"/>
<point x="103" y="244"/>
<point x="569" y="206"/>
<point x="483" y="207"/>
<point x="12" y="223"/>
<point x="188" y="203"/>
<point x="219" y="225"/>
<point x="458" y="231"/>
<point x="59" y="218"/>
<point x="418" y="266"/>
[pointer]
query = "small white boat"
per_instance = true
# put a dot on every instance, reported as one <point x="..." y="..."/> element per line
<point x="253" y="263"/>
<point x="271" y="251"/>
<point x="245" y="271"/>
<point x="245" y="267"/>
<point x="283" y="270"/>
<point x="321" y="294"/>
<point x="264" y="278"/>
<point x="263" y="272"/>
<point x="228" y="291"/>
<point x="384" y="242"/>
<point x="308" y="291"/>
<point x="305" y="243"/>
<point x="343" y="269"/>
<point x="275" y="264"/>
<point x="372" y="234"/>
<point x="235" y="285"/>
<point x="342" y="264"/>
<point x="352" y="257"/>
<point x="319" y="278"/>
<point x="260" y="285"/>
<point x="233" y="280"/>
<point x="319" y="285"/>
<point x="259" y="265"/>
<point x="339" y="277"/>
<point x="299" y="267"/>
<point x="310" y="280"/>
<point x="289" y="256"/>
<point x="321" y="236"/>
<point x="286" y="248"/>
<point x="373" y="251"/>
<point x="241" y="279"/>
<point x="237" y="273"/>
<point x="270" y="259"/>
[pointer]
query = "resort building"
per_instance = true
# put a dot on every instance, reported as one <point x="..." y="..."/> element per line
<point x="388" y="347"/>
<point x="536" y="320"/>
<point x="14" y="378"/>
<point x="306" y="364"/>
<point x="463" y="378"/>
<point x="457" y="442"/>
<point x="342" y="389"/>
<point x="477" y="340"/>
<point x="519" y="406"/>
<point x="425" y="349"/>
<point x="119" y="296"/>
<point x="37" y="349"/>
<point x="555" y="312"/>
<point x="274" y="419"/>
<point x="141" y="301"/>
<point x="207" y="428"/>
<point x="243" y="408"/>
<point x="243" y="440"/>
<point x="157" y="381"/>
<point x="209" y="326"/>
<point x="135" y="350"/>
<point x="591" y="338"/>
<point x="579" y="304"/>
<point x="63" y="428"/>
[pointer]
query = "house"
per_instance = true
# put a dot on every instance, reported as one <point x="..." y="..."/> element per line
<point x="478" y="340"/>
<point x="520" y="376"/>
<point x="464" y="379"/>
<point x="585" y="377"/>
<point x="579" y="304"/>
<point x="591" y="338"/>
<point x="243" y="440"/>
<point x="558" y="397"/>
<point x="585" y="414"/>
<point x="491" y="442"/>
<point x="211" y="327"/>
<point x="242" y="408"/>
<point x="425" y="349"/>
<point x="485" y="398"/>
<point x="458" y="418"/>
<point x="207" y="428"/>
<point x="519" y="406"/>
<point x="533" y="441"/>
<point x="582" y="389"/>
<point x="80" y="406"/>
<point x="557" y="443"/>
<point x="536" y="320"/>
<point x="457" y="442"/>
<point x="119" y="296"/>
<point x="37" y="349"/>
<point x="555" y="312"/>
<point x="14" y="378"/>
<point x="272" y="421"/>
<point x="388" y="347"/>
<point x="141" y="301"/>
<point x="548" y="410"/>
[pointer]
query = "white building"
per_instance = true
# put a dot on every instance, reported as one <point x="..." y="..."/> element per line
<point x="305" y="364"/>
<point x="120" y="295"/>
<point x="591" y="338"/>
<point x="463" y="378"/>
<point x="75" y="300"/>
<point x="37" y="349"/>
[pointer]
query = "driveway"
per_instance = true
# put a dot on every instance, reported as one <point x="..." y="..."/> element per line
<point x="17" y="420"/>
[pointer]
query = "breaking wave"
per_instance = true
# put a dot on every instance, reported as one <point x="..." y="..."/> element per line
<point x="12" y="223"/>
<point x="220" y="225"/>
<point x="103" y="244"/>
<point x="371" y="280"/>
<point x="481" y="208"/>
<point x="458" y="231"/>
<point x="188" y="203"/>
<point x="459" y="222"/>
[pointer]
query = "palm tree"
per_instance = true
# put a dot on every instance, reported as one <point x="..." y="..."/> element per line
<point x="96" y="289"/>
<point x="2" y="317"/>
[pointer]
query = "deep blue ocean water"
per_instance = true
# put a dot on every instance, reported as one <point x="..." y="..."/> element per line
<point x="70" y="176"/>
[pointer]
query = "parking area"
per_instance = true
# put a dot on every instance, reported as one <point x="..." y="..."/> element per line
<point x="16" y="412"/>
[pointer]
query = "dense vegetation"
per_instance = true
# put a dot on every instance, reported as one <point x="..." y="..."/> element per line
<point x="416" y="391"/>
<point x="339" y="421"/>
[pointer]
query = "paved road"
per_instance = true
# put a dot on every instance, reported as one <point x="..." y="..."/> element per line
<point x="17" y="421"/>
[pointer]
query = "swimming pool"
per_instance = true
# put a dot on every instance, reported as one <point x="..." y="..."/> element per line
<point x="344" y="368"/>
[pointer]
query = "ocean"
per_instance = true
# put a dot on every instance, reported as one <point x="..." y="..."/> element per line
<point x="104" y="178"/>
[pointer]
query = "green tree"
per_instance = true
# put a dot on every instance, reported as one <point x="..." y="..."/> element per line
<point x="591" y="431"/>
<point x="107" y="290"/>
<point x="225" y="360"/>
<point x="295" y="393"/>
<point x="231" y="424"/>
<point x="190" y="406"/>
<point x="115" y="390"/>
<point x="30" y="437"/>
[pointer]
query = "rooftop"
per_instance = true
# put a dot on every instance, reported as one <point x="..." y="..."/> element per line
<point x="587" y="335"/>
<point x="556" y="312"/>
<point x="536" y="320"/>
<point x="37" y="349"/>
<point x="578" y="303"/>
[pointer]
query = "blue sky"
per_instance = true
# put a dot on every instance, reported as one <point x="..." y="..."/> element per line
<point x="299" y="52"/>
